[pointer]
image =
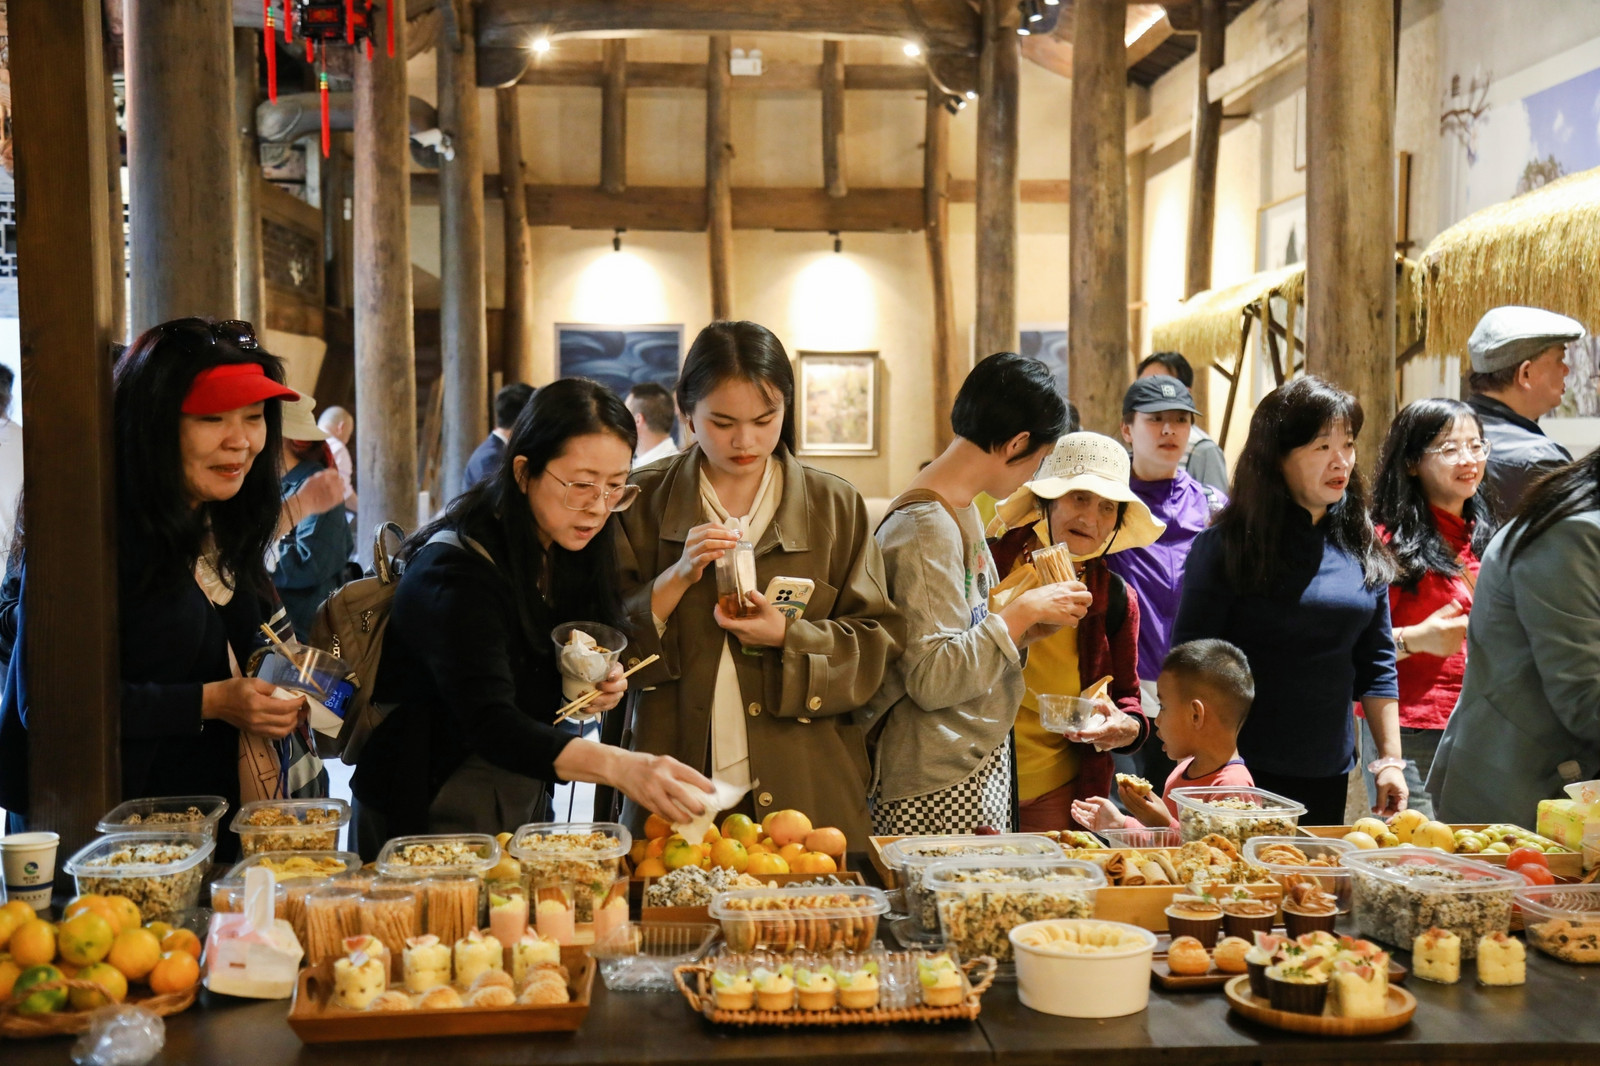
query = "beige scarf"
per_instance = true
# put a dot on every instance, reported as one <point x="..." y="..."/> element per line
<point x="258" y="760"/>
<point x="730" y="745"/>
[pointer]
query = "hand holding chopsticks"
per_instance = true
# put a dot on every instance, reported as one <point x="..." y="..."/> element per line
<point x="283" y="649"/>
<point x="587" y="698"/>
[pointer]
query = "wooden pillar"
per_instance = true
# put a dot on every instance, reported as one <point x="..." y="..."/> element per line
<point x="1350" y="205"/>
<point x="338" y="279"/>
<point x="998" y="187"/>
<point x="1138" y="164"/>
<point x="719" y="179"/>
<point x="947" y="374"/>
<point x="462" y="300"/>
<point x="516" y="326"/>
<point x="247" y="178"/>
<point x="179" y="57"/>
<point x="117" y="234"/>
<point x="1097" y="320"/>
<point x="614" y="118"/>
<point x="833" y="118"/>
<point x="386" y="385"/>
<point x="1205" y="140"/>
<point x="64" y="297"/>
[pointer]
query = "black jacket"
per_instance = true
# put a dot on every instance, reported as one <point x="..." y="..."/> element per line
<point x="464" y="679"/>
<point x="1519" y="453"/>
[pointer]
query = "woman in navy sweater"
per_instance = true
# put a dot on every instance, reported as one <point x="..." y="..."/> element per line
<point x="1293" y="574"/>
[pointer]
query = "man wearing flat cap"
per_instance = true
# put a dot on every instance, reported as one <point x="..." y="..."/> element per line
<point x="1519" y="374"/>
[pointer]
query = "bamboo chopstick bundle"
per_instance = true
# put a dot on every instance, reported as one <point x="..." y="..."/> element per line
<point x="1054" y="564"/>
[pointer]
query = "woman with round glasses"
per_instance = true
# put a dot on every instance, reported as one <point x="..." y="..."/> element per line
<point x="1429" y="505"/>
<point x="469" y="667"/>
<point x="756" y="699"/>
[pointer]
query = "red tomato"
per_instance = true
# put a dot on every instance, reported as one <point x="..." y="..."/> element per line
<point x="1523" y="856"/>
<point x="1536" y="874"/>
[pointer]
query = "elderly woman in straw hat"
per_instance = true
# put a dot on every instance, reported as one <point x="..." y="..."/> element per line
<point x="1078" y="507"/>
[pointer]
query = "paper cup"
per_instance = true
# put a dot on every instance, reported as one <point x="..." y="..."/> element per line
<point x="29" y="864"/>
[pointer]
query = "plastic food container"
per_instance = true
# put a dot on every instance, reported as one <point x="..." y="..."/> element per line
<point x="1335" y="880"/>
<point x="180" y="814"/>
<point x="291" y="825"/>
<point x="784" y="919"/>
<point x="1147" y="837"/>
<point x="161" y="872"/>
<point x="1065" y="714"/>
<point x="1109" y="982"/>
<point x="1235" y="813"/>
<point x="640" y="956"/>
<point x="1563" y="921"/>
<point x="910" y="856"/>
<point x="298" y="865"/>
<point x="1400" y="892"/>
<point x="438" y="853"/>
<point x="981" y="899"/>
<point x="579" y="859"/>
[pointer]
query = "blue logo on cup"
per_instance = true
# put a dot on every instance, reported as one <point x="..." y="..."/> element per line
<point x="30" y="869"/>
<point x="339" y="695"/>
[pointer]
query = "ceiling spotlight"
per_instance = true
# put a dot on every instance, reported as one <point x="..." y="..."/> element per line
<point x="912" y="49"/>
<point x="1023" y="31"/>
<point x="954" y="104"/>
<point x="972" y="94"/>
<point x="1032" y="10"/>
<point x="616" y="239"/>
<point x="540" y="45"/>
<point x="1051" y="3"/>
<point x="838" y="242"/>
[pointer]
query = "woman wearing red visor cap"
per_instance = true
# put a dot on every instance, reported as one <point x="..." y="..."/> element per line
<point x="197" y="437"/>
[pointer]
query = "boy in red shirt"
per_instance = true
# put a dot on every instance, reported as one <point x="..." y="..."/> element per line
<point x="1205" y="689"/>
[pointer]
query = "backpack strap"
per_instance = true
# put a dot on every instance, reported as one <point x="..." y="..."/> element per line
<point x="1116" y="604"/>
<point x="459" y="540"/>
<point x="913" y="496"/>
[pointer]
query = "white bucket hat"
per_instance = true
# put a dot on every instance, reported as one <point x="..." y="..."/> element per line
<point x="1093" y="463"/>
<point x="298" y="423"/>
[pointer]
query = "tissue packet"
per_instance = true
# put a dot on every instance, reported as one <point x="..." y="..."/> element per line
<point x="252" y="954"/>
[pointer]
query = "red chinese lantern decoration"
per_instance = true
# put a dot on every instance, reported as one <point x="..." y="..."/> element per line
<point x="346" y="23"/>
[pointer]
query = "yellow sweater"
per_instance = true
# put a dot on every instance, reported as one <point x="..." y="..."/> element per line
<point x="1045" y="761"/>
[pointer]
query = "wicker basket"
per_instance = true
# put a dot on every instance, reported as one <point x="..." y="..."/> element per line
<point x="66" y="1023"/>
<point x="701" y="1001"/>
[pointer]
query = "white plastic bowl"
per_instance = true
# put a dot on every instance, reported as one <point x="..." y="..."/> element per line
<point x="1107" y="985"/>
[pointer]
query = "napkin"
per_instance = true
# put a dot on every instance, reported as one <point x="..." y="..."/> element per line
<point x="723" y="796"/>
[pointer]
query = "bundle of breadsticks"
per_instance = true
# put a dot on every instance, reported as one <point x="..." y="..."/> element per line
<point x="1054" y="564"/>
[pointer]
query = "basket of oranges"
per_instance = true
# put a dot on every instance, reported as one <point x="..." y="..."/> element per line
<point x="53" y="975"/>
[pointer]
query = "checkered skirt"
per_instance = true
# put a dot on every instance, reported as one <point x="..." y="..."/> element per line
<point x="982" y="798"/>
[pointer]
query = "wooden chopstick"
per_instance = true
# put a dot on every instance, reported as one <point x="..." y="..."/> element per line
<point x="305" y="674"/>
<point x="588" y="697"/>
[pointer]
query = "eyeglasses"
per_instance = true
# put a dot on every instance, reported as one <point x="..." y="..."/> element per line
<point x="240" y="334"/>
<point x="1455" y="452"/>
<point x="583" y="495"/>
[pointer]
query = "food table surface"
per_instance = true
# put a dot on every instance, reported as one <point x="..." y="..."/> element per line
<point x="1555" y="1017"/>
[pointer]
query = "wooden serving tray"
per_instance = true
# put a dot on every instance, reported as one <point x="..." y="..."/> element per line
<point x="1402" y="1005"/>
<point x="1563" y="864"/>
<point x="701" y="1001"/>
<point x="314" y="1022"/>
<point x="1163" y="977"/>
<point x="700" y="913"/>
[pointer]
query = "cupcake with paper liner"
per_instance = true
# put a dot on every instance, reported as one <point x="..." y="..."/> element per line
<point x="858" y="985"/>
<point x="1306" y="907"/>
<point x="774" y="987"/>
<point x="731" y="985"/>
<point x="1297" y="988"/>
<point x="939" y="980"/>
<point x="1358" y="989"/>
<point x="1244" y="915"/>
<point x="1258" y="958"/>
<point x="818" y="989"/>
<point x="1199" y="916"/>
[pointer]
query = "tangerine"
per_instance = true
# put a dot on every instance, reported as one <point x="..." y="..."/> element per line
<point x="741" y="828"/>
<point x="126" y="910"/>
<point x="828" y="840"/>
<point x="177" y="971"/>
<point x="651" y="867"/>
<point x="95" y="904"/>
<point x="764" y="862"/>
<point x="84" y="938"/>
<point x="791" y="854"/>
<point x="21" y="911"/>
<point x="656" y="827"/>
<point x="730" y="855"/>
<point x="107" y="977"/>
<point x="8" y="925"/>
<point x="135" y="953"/>
<point x="160" y="929"/>
<point x="9" y="972"/>
<point x="45" y="1001"/>
<point x="34" y="943"/>
<point x="182" y="940"/>
<point x="679" y="853"/>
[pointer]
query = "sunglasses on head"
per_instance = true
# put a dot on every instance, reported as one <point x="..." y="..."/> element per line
<point x="240" y="334"/>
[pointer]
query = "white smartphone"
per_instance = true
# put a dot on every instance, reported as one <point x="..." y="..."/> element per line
<point x="790" y="595"/>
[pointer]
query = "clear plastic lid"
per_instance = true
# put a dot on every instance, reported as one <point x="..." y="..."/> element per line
<point x="1310" y="847"/>
<point x="306" y="814"/>
<point x="1573" y="903"/>
<point x="98" y="858"/>
<point x="438" y="853"/>
<point x="1011" y="873"/>
<point x="587" y="841"/>
<point x="919" y="851"/>
<point x="842" y="901"/>
<point x="1237" y="802"/>
<point x="1160" y="836"/>
<point x="296" y="866"/>
<point x="670" y="942"/>
<point x="1420" y="868"/>
<point x="165" y="813"/>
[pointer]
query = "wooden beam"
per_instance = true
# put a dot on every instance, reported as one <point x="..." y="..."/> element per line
<point x="338" y="281"/>
<point x="995" y="327"/>
<point x="777" y="76"/>
<point x="718" y="194"/>
<point x="1282" y="48"/>
<point x="1034" y="190"/>
<point x="1204" y="146"/>
<point x="1350" y="205"/>
<point x="247" y="177"/>
<point x="833" y="118"/>
<point x="1147" y="34"/>
<point x="517" y="330"/>
<point x="64" y="298"/>
<point x="1137" y="167"/>
<point x="116" y="243"/>
<point x="614" y="117"/>
<point x="386" y="390"/>
<point x="1049" y="51"/>
<point x="180" y="173"/>
<point x="1097" y="318"/>
<point x="462" y="342"/>
<point x="936" y="229"/>
<point x="942" y="25"/>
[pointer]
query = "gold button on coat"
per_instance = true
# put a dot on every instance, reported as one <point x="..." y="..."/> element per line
<point x="815" y="703"/>
<point x="755" y="709"/>
<point x="765" y="799"/>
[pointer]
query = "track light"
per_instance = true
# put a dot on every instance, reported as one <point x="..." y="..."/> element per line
<point x="616" y="239"/>
<point x="954" y="104"/>
<point x="838" y="241"/>
<point x="972" y="94"/>
<point x="540" y="45"/>
<point x="1051" y="3"/>
<point x="912" y="49"/>
<point x="1023" y="31"/>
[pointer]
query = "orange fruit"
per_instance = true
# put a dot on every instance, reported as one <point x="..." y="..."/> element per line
<point x="34" y="943"/>
<point x="656" y="846"/>
<point x="66" y="968"/>
<point x="712" y="836"/>
<point x="828" y="840"/>
<point x="84" y="938"/>
<point x="126" y="910"/>
<point x="19" y="910"/>
<point x="182" y="940"/>
<point x="134" y="953"/>
<point x="177" y="971"/>
<point x="786" y="827"/>
<point x="638" y="852"/>
<point x="9" y="972"/>
<point x="815" y="862"/>
<point x="42" y="1002"/>
<point x="679" y="853"/>
<point x="651" y="867"/>
<point x="160" y="929"/>
<point x="730" y="855"/>
<point x="764" y="862"/>
<point x="8" y="925"/>
<point x="97" y="904"/>
<point x="791" y="853"/>
<point x="761" y="845"/>
<point x="106" y="976"/>
<point x="656" y="827"/>
<point x="741" y="828"/>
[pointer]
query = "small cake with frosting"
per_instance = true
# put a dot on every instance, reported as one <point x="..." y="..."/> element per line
<point x="1436" y="956"/>
<point x="939" y="980"/>
<point x="1198" y="916"/>
<point x="367" y="945"/>
<point x="533" y="950"/>
<point x="1297" y="988"/>
<point x="1258" y="958"/>
<point x="425" y="964"/>
<point x="1306" y="907"/>
<point x="1502" y="960"/>
<point x="357" y="983"/>
<point x="733" y="989"/>
<point x="1244" y="915"/>
<point x="1358" y="990"/>
<point x="475" y="953"/>
<point x="858" y="986"/>
<point x="774" y="988"/>
<point x="818" y="990"/>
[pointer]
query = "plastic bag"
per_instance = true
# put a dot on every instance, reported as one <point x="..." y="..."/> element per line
<point x="120" y="1035"/>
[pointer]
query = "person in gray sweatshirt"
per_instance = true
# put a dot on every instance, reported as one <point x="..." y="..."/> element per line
<point x="943" y="715"/>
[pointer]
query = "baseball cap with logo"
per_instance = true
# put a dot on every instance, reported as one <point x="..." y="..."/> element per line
<point x="1158" y="393"/>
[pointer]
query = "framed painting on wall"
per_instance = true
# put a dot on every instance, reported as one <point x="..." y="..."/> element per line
<point x="1281" y="233"/>
<point x="620" y="357"/>
<point x="1048" y="344"/>
<point x="837" y="405"/>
